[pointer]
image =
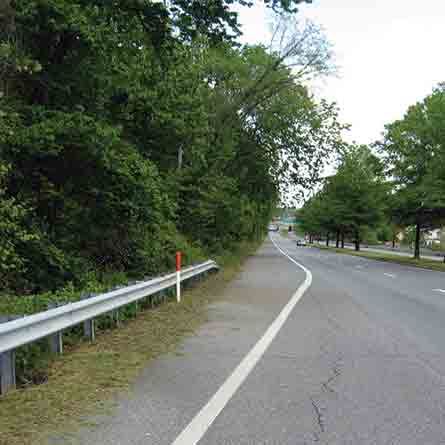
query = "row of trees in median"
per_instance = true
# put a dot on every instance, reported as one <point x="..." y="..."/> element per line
<point x="398" y="182"/>
<point x="350" y="202"/>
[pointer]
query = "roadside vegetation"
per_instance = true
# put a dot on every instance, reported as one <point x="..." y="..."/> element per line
<point x="395" y="187"/>
<point x="87" y="380"/>
<point x="133" y="129"/>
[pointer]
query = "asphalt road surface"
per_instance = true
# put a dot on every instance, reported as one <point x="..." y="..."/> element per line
<point x="357" y="358"/>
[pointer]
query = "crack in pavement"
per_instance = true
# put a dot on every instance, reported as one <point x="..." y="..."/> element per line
<point x="319" y="417"/>
<point x="337" y="372"/>
<point x="318" y="410"/>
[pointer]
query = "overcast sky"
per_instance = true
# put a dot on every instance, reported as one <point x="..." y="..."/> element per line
<point x="390" y="52"/>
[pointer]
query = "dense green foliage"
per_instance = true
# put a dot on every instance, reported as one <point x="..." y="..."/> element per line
<point x="351" y="202"/>
<point x="402" y="190"/>
<point x="131" y="129"/>
<point x="414" y="149"/>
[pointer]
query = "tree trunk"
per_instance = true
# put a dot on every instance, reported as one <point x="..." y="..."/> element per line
<point x="180" y="156"/>
<point x="342" y="240"/>
<point x="337" y="240"/>
<point x="357" y="241"/>
<point x="7" y="18"/>
<point x="417" y="243"/>
<point x="394" y="242"/>
<point x="327" y="239"/>
<point x="7" y="34"/>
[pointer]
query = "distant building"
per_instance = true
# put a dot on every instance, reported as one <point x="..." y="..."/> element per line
<point x="433" y="237"/>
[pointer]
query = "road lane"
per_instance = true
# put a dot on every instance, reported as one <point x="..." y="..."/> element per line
<point x="175" y="387"/>
<point x="407" y="302"/>
<point x="201" y="423"/>
<point x="360" y="360"/>
<point x="350" y="366"/>
<point x="416" y="281"/>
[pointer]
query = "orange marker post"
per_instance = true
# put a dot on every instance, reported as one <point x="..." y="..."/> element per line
<point x="178" y="276"/>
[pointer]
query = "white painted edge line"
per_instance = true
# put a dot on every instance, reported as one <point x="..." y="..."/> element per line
<point x="390" y="275"/>
<point x="439" y="290"/>
<point x="196" y="429"/>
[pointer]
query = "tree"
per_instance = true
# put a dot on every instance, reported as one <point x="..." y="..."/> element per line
<point x="414" y="150"/>
<point x="13" y="236"/>
<point x="351" y="201"/>
<point x="133" y="128"/>
<point x="216" y="19"/>
<point x="311" y="215"/>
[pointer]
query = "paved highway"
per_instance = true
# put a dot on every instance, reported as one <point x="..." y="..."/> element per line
<point x="358" y="358"/>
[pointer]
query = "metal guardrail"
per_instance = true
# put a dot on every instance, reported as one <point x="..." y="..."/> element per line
<point x="23" y="331"/>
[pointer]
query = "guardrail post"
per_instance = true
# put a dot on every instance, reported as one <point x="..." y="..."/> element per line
<point x="136" y="303"/>
<point x="7" y="364"/>
<point x="178" y="277"/>
<point x="56" y="343"/>
<point x="7" y="371"/>
<point x="89" y="330"/>
<point x="115" y="315"/>
<point x="55" y="340"/>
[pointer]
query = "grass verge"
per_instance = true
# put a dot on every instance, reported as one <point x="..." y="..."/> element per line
<point x="84" y="380"/>
<point x="406" y="261"/>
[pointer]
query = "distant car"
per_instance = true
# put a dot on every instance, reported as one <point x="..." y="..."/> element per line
<point x="301" y="242"/>
<point x="273" y="228"/>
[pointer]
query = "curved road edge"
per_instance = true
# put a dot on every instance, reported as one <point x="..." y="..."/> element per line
<point x="196" y="429"/>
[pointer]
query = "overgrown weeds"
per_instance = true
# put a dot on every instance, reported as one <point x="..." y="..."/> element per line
<point x="84" y="380"/>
